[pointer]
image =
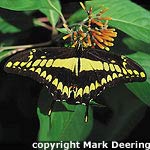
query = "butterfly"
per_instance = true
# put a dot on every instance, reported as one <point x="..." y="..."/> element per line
<point x="75" y="75"/>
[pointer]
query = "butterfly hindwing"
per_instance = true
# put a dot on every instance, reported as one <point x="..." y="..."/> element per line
<point x="75" y="75"/>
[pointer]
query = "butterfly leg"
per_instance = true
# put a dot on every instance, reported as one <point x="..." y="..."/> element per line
<point x="86" y="113"/>
<point x="51" y="107"/>
<point x="86" y="100"/>
<point x="54" y="95"/>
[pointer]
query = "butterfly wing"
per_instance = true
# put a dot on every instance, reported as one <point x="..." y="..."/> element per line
<point x="74" y="76"/>
<point x="50" y="66"/>
<point x="100" y="69"/>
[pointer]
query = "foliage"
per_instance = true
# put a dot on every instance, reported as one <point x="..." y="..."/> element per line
<point x="132" y="20"/>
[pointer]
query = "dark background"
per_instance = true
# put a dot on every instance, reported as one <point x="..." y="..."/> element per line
<point x="19" y="123"/>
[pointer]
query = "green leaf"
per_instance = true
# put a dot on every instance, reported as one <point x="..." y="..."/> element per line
<point x="124" y="111"/>
<point x="63" y="124"/>
<point x="137" y="45"/>
<point x="131" y="19"/>
<point x="4" y="54"/>
<point x="79" y="15"/>
<point x="14" y="21"/>
<point x="5" y="41"/>
<point x="21" y="5"/>
<point x="143" y="59"/>
<point x="141" y="90"/>
<point x="95" y="104"/>
<point x="63" y="30"/>
<point x="6" y="27"/>
<point x="53" y="11"/>
<point x="51" y="8"/>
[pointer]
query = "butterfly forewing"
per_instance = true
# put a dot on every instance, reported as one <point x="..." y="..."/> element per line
<point x="72" y="74"/>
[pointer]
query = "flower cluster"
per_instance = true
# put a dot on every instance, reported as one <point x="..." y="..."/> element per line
<point x="93" y="32"/>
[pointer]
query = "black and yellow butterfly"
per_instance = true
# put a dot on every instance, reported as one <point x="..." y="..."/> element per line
<point x="75" y="75"/>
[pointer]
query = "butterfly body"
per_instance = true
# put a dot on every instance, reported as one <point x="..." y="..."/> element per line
<point x="76" y="76"/>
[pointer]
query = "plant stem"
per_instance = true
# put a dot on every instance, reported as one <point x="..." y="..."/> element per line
<point x="61" y="15"/>
<point x="25" y="46"/>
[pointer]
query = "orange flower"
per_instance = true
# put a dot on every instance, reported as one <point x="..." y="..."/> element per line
<point x="100" y="24"/>
<point x="89" y="40"/>
<point x="67" y="36"/>
<point x="99" y="38"/>
<point x="93" y="32"/>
